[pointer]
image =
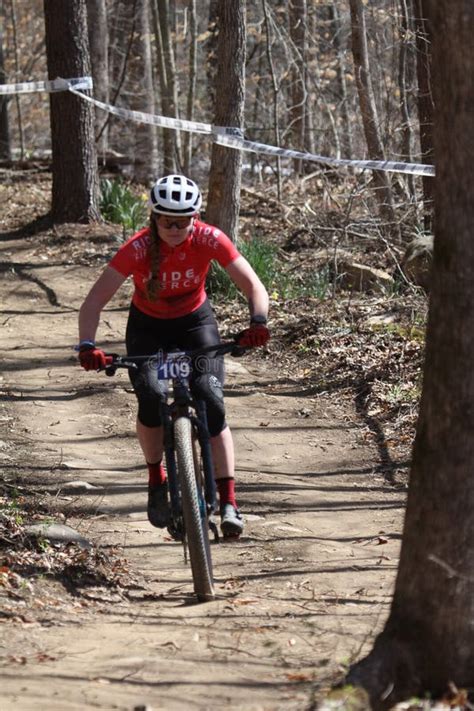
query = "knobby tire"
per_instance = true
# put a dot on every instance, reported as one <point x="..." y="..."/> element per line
<point x="195" y="525"/>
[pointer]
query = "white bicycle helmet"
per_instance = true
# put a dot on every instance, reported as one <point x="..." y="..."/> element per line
<point x="175" y="195"/>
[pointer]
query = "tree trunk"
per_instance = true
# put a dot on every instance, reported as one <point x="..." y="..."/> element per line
<point x="255" y="162"/>
<point x="146" y="150"/>
<point x="191" y="98"/>
<point x="298" y="108"/>
<point x="428" y="640"/>
<point x="5" y="148"/>
<point x="341" y="80"/>
<point x="368" y="108"/>
<point x="404" y="76"/>
<point x="276" y="90"/>
<point x="169" y="87"/>
<point x="425" y="99"/>
<point x="211" y="53"/>
<point x="226" y="163"/>
<point x="75" y="177"/>
<point x="99" y="45"/>
<point x="18" y="74"/>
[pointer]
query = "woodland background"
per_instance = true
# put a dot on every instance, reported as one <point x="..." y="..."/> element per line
<point x="340" y="79"/>
<point x="345" y="254"/>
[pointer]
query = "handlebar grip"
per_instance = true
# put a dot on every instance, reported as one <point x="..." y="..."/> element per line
<point x="110" y="367"/>
<point x="238" y="351"/>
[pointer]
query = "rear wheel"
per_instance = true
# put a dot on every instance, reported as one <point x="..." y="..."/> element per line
<point x="194" y="512"/>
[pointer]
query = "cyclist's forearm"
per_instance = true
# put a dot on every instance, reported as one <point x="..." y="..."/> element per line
<point x="89" y="316"/>
<point x="250" y="285"/>
<point x="258" y="303"/>
<point x="100" y="295"/>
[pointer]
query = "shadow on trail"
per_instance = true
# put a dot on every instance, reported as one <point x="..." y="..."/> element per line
<point x="361" y="387"/>
<point x="288" y="572"/>
<point x="33" y="395"/>
<point x="22" y="274"/>
<point x="39" y="224"/>
<point x="387" y="466"/>
<point x="226" y="684"/>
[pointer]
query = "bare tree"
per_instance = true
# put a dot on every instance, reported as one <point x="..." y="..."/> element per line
<point x="211" y="52"/>
<point x="341" y="79"/>
<point x="425" y="98"/>
<point x="368" y="108"/>
<point x="146" y="148"/>
<point x="427" y="640"/>
<point x="168" y="82"/>
<point x="191" y="98"/>
<point x="75" y="177"/>
<point x="5" y="148"/>
<point x="405" y="73"/>
<point x="17" y="73"/>
<point x="99" y="46"/>
<point x="275" y="89"/>
<point x="298" y="108"/>
<point x="224" y="181"/>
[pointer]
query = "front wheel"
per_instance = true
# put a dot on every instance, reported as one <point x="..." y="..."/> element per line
<point x="194" y="512"/>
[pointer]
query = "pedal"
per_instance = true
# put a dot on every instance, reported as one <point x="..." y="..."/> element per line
<point x="214" y="530"/>
<point x="176" y="531"/>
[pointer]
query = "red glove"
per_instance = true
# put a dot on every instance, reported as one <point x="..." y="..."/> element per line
<point x="92" y="358"/>
<point x="256" y="335"/>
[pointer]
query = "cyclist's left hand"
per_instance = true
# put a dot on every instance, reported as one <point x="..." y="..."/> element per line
<point x="257" y="334"/>
<point x="92" y="358"/>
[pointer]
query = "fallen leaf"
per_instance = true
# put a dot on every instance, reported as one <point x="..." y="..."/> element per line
<point x="299" y="677"/>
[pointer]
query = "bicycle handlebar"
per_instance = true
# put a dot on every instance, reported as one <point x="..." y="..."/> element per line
<point x="114" y="360"/>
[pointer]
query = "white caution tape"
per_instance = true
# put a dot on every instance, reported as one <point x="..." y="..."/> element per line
<point x="233" y="138"/>
<point x="231" y="141"/>
<point x="224" y="136"/>
<point x="141" y="117"/>
<point x="58" y="84"/>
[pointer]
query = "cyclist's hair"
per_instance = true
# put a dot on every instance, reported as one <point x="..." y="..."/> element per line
<point x="153" y="285"/>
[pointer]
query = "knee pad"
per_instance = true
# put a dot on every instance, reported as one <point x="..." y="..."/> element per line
<point x="208" y="387"/>
<point x="148" y="414"/>
<point x="150" y="392"/>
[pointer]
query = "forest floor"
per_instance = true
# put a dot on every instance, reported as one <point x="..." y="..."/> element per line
<point x="322" y="468"/>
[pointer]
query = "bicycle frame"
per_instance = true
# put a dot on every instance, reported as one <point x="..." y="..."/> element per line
<point x="184" y="421"/>
<point x="175" y="369"/>
<point x="175" y="366"/>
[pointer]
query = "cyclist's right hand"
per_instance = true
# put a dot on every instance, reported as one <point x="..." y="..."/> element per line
<point x="92" y="358"/>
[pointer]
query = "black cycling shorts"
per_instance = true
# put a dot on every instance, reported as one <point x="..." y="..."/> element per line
<point x="146" y="335"/>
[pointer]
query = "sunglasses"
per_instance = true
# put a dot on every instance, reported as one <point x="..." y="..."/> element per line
<point x="179" y="222"/>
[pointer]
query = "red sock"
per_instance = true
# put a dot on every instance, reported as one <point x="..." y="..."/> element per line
<point x="156" y="473"/>
<point x="226" y="489"/>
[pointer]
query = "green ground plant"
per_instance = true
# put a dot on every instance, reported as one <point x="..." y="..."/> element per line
<point x="120" y="205"/>
<point x="273" y="272"/>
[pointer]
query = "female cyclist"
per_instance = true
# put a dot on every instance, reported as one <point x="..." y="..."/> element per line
<point x="169" y="261"/>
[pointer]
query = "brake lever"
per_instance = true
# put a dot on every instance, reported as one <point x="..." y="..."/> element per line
<point x="111" y="367"/>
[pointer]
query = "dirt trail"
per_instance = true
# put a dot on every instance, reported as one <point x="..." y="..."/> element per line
<point x="298" y="597"/>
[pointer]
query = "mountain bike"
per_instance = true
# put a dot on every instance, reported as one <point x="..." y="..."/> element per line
<point x="191" y="483"/>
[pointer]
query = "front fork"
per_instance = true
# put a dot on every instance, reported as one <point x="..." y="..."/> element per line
<point x="200" y="424"/>
<point x="209" y="504"/>
<point x="176" y="528"/>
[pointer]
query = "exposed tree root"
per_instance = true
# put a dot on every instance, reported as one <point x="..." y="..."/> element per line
<point x="388" y="674"/>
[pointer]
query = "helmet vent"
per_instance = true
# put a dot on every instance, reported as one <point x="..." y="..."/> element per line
<point x="175" y="195"/>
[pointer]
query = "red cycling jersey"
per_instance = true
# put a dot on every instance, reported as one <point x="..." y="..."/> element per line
<point x="182" y="272"/>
